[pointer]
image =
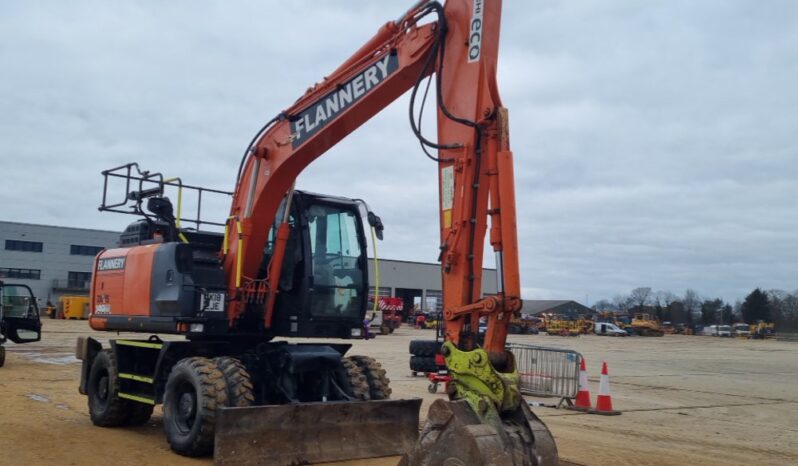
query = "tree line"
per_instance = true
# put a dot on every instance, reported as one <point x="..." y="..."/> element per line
<point x="690" y="308"/>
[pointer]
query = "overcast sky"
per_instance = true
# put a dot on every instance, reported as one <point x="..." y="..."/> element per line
<point x="655" y="141"/>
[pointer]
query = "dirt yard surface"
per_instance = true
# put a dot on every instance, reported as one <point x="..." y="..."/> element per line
<point x="685" y="400"/>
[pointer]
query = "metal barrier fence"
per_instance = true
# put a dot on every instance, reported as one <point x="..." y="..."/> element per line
<point x="547" y="372"/>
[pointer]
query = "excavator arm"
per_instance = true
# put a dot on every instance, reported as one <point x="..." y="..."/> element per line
<point x="455" y="46"/>
<point x="459" y="48"/>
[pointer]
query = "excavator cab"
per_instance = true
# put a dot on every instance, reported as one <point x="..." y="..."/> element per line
<point x="324" y="278"/>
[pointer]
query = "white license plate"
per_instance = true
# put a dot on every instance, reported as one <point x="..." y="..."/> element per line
<point x="215" y="302"/>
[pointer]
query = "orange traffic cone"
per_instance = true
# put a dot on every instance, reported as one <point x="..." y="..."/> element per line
<point x="583" y="395"/>
<point x="604" y="400"/>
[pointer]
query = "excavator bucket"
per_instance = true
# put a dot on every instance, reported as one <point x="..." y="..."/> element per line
<point x="308" y="433"/>
<point x="454" y="435"/>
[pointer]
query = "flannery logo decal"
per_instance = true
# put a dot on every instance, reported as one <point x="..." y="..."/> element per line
<point x="326" y="109"/>
<point x="112" y="263"/>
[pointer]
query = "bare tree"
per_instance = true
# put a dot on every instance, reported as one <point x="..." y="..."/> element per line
<point x="665" y="298"/>
<point x="692" y="303"/>
<point x="621" y="302"/>
<point x="603" y="305"/>
<point x="640" y="297"/>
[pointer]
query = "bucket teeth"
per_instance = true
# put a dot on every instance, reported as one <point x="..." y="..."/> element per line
<point x="454" y="435"/>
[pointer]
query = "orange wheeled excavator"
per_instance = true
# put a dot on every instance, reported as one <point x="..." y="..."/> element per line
<point x="293" y="264"/>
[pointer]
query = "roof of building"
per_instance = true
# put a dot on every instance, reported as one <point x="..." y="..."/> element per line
<point x="58" y="227"/>
<point x="536" y="306"/>
<point x="533" y="306"/>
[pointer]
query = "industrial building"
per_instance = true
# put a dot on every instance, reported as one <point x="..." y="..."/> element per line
<point x="56" y="261"/>
<point x="52" y="260"/>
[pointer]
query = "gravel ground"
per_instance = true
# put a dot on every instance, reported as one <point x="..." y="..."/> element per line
<point x="685" y="400"/>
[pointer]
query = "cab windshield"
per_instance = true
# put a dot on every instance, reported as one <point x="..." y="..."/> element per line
<point x="336" y="250"/>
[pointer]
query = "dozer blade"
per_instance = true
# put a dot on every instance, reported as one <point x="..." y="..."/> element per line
<point x="307" y="433"/>
<point x="455" y="436"/>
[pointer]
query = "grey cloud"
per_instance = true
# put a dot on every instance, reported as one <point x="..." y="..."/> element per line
<point x="654" y="141"/>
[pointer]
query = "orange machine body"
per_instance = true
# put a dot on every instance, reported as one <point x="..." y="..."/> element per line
<point x="121" y="284"/>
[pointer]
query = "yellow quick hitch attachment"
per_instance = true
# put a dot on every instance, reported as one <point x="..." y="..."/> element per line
<point x="476" y="380"/>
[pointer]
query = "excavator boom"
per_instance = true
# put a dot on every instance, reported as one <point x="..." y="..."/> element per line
<point x="455" y="46"/>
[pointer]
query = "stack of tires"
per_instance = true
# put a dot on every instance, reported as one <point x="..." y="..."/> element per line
<point x="422" y="356"/>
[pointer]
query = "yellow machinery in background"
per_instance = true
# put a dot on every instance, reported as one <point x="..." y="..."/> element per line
<point x="762" y="330"/>
<point x="646" y="326"/>
<point x="569" y="328"/>
<point x="74" y="307"/>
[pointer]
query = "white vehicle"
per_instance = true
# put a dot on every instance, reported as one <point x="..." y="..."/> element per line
<point x="742" y="330"/>
<point x="717" y="330"/>
<point x="608" y="329"/>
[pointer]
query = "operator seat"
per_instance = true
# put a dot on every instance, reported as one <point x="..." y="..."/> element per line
<point x="323" y="297"/>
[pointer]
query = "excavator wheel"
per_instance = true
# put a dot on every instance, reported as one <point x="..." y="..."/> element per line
<point x="239" y="384"/>
<point x="455" y="436"/>
<point x="355" y="383"/>
<point x="106" y="409"/>
<point x="138" y="414"/>
<point x="195" y="390"/>
<point x="379" y="383"/>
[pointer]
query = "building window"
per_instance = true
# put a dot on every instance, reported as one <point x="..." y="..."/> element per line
<point x="27" y="246"/>
<point x="26" y="274"/>
<point x="434" y="301"/>
<point x="385" y="291"/>
<point x="80" y="250"/>
<point x="79" y="280"/>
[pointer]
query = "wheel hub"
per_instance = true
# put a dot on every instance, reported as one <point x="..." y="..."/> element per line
<point x="102" y="387"/>
<point x="186" y="408"/>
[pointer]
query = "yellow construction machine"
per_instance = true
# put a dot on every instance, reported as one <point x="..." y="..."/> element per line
<point x="646" y="326"/>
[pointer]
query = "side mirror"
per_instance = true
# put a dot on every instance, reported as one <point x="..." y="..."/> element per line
<point x="23" y="335"/>
<point x="376" y="223"/>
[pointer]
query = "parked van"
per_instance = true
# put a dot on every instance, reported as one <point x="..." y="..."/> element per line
<point x="609" y="329"/>
<point x="741" y="330"/>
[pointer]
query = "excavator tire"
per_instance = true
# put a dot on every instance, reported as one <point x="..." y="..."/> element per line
<point x="425" y="348"/>
<point x="423" y="364"/>
<point x="454" y="435"/>
<point x="239" y="384"/>
<point x="379" y="383"/>
<point x="106" y="409"/>
<point x="2" y="355"/>
<point x="138" y="414"/>
<point x="195" y="390"/>
<point x="355" y="384"/>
